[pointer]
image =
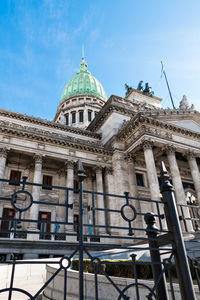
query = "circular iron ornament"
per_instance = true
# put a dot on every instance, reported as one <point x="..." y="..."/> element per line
<point x="65" y="262"/>
<point x="129" y="206"/>
<point x="19" y="291"/>
<point x="14" y="197"/>
<point x="150" y="296"/>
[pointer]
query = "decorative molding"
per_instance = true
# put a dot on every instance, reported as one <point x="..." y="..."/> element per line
<point x="47" y="123"/>
<point x="44" y="136"/>
<point x="70" y="164"/>
<point x="108" y="170"/>
<point x="38" y="158"/>
<point x="191" y="155"/>
<point x="147" y="144"/>
<point x="4" y="152"/>
<point x="170" y="149"/>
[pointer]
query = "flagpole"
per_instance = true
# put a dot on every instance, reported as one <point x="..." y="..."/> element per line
<point x="167" y="85"/>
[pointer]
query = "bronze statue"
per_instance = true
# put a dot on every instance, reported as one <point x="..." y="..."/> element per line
<point x="128" y="89"/>
<point x="147" y="90"/>
<point x="140" y="87"/>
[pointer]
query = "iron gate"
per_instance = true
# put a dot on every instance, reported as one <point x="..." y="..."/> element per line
<point x="124" y="224"/>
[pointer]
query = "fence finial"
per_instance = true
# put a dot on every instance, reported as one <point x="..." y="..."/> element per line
<point x="81" y="172"/>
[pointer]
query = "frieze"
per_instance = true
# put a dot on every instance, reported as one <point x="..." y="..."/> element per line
<point x="47" y="136"/>
<point x="47" y="123"/>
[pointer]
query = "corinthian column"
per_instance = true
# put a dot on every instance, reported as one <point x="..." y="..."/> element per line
<point x="177" y="183"/>
<point x="3" y="157"/>
<point x="100" y="202"/>
<point x="151" y="171"/>
<point x="121" y="185"/>
<point x="111" y="217"/>
<point x="195" y="173"/>
<point x="37" y="178"/>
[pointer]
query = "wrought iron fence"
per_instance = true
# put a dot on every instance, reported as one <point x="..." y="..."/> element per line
<point x="81" y="223"/>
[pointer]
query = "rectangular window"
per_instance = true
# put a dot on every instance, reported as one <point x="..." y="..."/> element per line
<point x="47" y="180"/>
<point x="44" y="225"/>
<point x="89" y="116"/>
<point x="15" y="176"/>
<point x="139" y="179"/>
<point x="80" y="116"/>
<point x="73" y="117"/>
<point x="67" y="119"/>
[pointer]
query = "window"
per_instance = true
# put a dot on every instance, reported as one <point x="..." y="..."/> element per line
<point x="139" y="179"/>
<point x="15" y="176"/>
<point x="89" y="115"/>
<point x="73" y="117"/>
<point x="44" y="220"/>
<point x="47" y="180"/>
<point x="76" y="186"/>
<point x="67" y="119"/>
<point x="80" y="116"/>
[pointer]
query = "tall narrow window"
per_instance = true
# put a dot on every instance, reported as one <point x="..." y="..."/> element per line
<point x="47" y="180"/>
<point x="15" y="176"/>
<point x="73" y="117"/>
<point x="80" y="116"/>
<point x="67" y="119"/>
<point x="89" y="116"/>
<point x="139" y="179"/>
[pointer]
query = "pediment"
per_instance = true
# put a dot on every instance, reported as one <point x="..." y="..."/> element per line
<point x="187" y="124"/>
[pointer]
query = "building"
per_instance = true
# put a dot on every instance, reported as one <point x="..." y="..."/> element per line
<point x="121" y="142"/>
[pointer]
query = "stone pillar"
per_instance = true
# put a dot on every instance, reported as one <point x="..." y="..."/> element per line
<point x="133" y="191"/>
<point x="195" y="173"/>
<point x="177" y="183"/>
<point x="153" y="181"/>
<point x="140" y="206"/>
<point x="70" y="184"/>
<point x="3" y="157"/>
<point x="121" y="186"/>
<point x="37" y="178"/>
<point x="61" y="210"/>
<point x="100" y="202"/>
<point x="112" y="218"/>
<point x="151" y="171"/>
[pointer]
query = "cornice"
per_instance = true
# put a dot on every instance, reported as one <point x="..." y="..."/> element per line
<point x="142" y="119"/>
<point x="44" y="136"/>
<point x="49" y="124"/>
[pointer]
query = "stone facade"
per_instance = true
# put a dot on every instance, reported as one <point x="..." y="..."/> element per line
<point x="120" y="149"/>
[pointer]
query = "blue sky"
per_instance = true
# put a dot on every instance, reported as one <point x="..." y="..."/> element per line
<point x="125" y="40"/>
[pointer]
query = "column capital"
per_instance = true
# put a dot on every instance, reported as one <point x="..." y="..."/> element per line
<point x="147" y="144"/>
<point x="129" y="158"/>
<point x="99" y="169"/>
<point x="108" y="170"/>
<point x="38" y="158"/>
<point x="191" y="155"/>
<point x="4" y="152"/>
<point x="170" y="149"/>
<point x="70" y="164"/>
<point x="61" y="172"/>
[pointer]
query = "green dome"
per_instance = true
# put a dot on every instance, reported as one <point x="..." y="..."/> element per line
<point x="83" y="83"/>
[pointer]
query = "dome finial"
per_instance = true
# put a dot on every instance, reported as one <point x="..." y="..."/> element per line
<point x="83" y="64"/>
<point x="83" y="58"/>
